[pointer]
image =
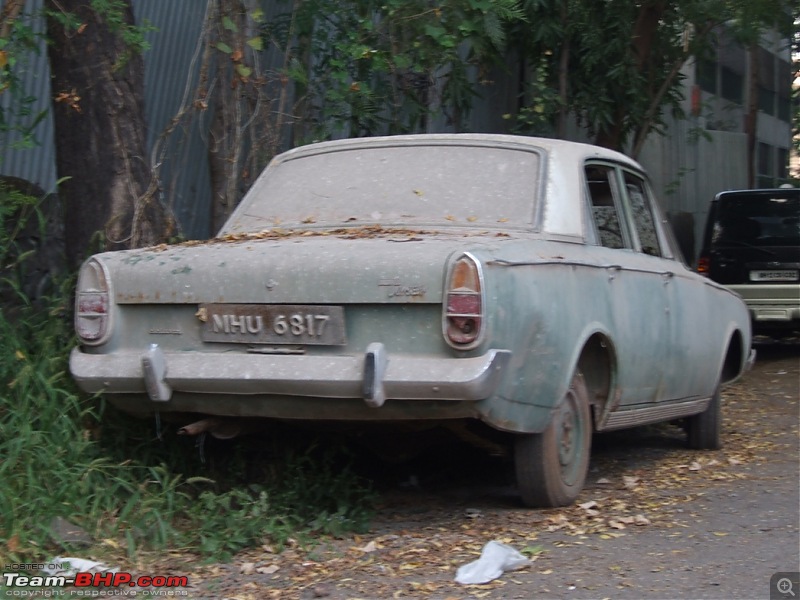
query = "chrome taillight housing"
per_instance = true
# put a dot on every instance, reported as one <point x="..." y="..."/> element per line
<point x="464" y="319"/>
<point x="92" y="303"/>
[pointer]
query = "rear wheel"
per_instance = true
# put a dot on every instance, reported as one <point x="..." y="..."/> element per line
<point x="704" y="430"/>
<point x="551" y="466"/>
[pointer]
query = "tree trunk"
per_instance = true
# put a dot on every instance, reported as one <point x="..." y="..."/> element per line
<point x="751" y="118"/>
<point x="563" y="74"/>
<point x="100" y="139"/>
<point x="227" y="151"/>
<point x="647" y="21"/>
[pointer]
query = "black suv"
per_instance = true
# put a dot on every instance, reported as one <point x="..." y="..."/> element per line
<point x="752" y="245"/>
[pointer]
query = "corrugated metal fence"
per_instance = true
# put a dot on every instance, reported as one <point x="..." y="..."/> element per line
<point x="33" y="164"/>
<point x="689" y="167"/>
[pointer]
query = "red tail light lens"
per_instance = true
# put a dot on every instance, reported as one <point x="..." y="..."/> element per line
<point x="92" y="304"/>
<point x="464" y="319"/>
<point x="703" y="265"/>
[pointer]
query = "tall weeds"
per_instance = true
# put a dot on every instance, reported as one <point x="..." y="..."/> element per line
<point x="62" y="454"/>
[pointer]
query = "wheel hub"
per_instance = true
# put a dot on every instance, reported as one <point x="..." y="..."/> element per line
<point x="568" y="438"/>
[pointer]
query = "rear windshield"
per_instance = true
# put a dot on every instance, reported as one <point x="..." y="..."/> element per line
<point x="758" y="219"/>
<point x="430" y="185"/>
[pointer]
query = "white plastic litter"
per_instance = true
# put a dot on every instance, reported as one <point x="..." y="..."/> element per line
<point x="58" y="566"/>
<point x="496" y="558"/>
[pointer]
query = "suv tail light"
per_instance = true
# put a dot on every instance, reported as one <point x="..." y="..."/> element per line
<point x="464" y="317"/>
<point x="92" y="303"/>
<point x="703" y="265"/>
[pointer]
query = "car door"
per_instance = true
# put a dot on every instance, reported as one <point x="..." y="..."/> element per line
<point x="639" y="304"/>
<point x="685" y="353"/>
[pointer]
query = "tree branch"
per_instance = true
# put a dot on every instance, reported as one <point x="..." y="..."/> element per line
<point x="655" y="104"/>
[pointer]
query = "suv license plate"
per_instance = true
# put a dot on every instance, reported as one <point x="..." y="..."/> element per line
<point x="781" y="275"/>
<point x="273" y="324"/>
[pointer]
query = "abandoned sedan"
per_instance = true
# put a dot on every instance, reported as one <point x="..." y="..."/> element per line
<point x="522" y="288"/>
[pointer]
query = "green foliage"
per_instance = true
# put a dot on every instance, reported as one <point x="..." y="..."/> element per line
<point x="326" y="494"/>
<point x="243" y="515"/>
<point x="535" y="117"/>
<point x="622" y="60"/>
<point x="46" y="468"/>
<point x="312" y="495"/>
<point x="115" y="13"/>
<point x="610" y="87"/>
<point x="65" y="455"/>
<point x="16" y="210"/>
<point x="369" y="68"/>
<point x="748" y="19"/>
<point x="23" y="39"/>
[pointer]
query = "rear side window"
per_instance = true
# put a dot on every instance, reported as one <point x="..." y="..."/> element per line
<point x="605" y="211"/>
<point x="643" y="219"/>
<point x="622" y="209"/>
<point x="759" y="220"/>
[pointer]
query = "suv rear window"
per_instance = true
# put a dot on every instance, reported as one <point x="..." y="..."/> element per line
<point x="757" y="219"/>
<point x="753" y="237"/>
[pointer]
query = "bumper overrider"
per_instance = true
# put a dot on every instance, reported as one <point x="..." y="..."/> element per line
<point x="374" y="376"/>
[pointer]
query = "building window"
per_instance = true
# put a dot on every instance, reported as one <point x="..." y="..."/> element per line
<point x="706" y="75"/>
<point x="783" y="164"/>
<point x="732" y="86"/>
<point x="766" y="100"/>
<point x="785" y="109"/>
<point x="784" y="91"/>
<point x="766" y="173"/>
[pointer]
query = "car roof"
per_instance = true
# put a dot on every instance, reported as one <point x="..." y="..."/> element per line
<point x="788" y="191"/>
<point x="567" y="149"/>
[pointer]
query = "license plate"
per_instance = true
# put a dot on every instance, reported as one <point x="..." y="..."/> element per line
<point x="272" y="324"/>
<point x="779" y="275"/>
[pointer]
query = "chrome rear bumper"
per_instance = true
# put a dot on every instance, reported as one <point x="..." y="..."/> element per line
<point x="375" y="376"/>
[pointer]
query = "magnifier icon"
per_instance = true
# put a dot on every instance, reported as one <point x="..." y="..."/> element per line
<point x="785" y="586"/>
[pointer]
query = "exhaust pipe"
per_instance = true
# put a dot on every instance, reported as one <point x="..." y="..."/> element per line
<point x="222" y="429"/>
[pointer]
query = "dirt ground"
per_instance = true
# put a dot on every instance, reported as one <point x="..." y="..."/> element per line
<point x="655" y="520"/>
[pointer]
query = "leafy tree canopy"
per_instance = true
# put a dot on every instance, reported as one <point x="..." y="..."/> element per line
<point x="617" y="63"/>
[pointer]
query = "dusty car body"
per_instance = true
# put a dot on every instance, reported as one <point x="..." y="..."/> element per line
<point x="752" y="246"/>
<point x="530" y="285"/>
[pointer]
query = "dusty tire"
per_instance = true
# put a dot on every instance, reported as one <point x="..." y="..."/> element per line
<point x="704" y="430"/>
<point x="551" y="466"/>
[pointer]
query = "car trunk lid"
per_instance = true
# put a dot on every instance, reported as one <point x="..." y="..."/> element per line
<point x="307" y="269"/>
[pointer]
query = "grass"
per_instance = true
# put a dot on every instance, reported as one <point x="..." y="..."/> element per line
<point x="67" y="455"/>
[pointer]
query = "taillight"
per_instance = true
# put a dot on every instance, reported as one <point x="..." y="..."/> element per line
<point x="92" y="310"/>
<point x="464" y="319"/>
<point x="703" y="265"/>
